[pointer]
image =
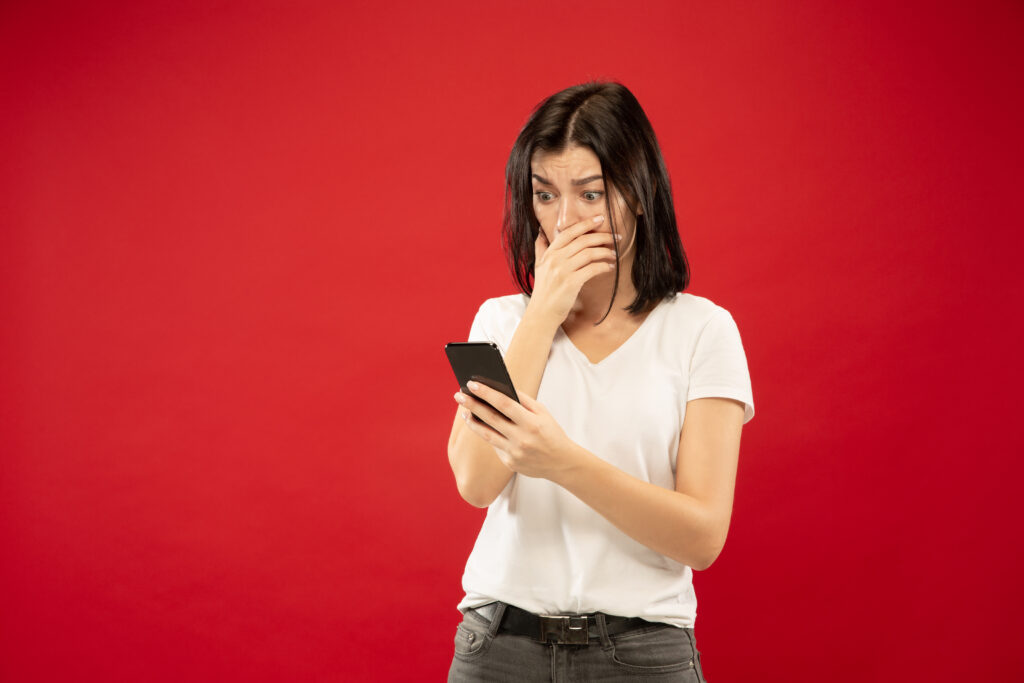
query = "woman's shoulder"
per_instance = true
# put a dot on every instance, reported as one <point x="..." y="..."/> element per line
<point x="510" y="305"/>
<point x="693" y="308"/>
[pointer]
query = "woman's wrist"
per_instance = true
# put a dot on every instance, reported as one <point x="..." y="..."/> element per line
<point x="542" y="320"/>
<point x="575" y="461"/>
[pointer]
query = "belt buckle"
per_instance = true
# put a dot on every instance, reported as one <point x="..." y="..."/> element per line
<point x="566" y="630"/>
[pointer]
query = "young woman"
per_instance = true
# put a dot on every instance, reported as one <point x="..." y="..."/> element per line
<point x="614" y="477"/>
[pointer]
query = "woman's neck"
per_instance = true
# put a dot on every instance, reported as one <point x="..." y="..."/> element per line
<point x="592" y="301"/>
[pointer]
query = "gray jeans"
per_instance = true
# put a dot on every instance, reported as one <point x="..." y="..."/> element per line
<point x="661" y="651"/>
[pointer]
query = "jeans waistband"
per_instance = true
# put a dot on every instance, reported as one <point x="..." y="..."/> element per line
<point x="565" y="629"/>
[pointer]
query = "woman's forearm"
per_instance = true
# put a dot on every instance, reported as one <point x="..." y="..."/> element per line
<point x="667" y="521"/>
<point x="479" y="473"/>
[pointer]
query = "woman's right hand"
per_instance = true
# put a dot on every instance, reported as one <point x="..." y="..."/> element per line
<point x="564" y="264"/>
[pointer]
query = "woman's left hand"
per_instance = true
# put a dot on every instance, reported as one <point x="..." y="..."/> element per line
<point x="527" y="439"/>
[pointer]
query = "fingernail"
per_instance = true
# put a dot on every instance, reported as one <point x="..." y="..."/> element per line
<point x="459" y="397"/>
<point x="473" y="385"/>
<point x="598" y="219"/>
<point x="618" y="237"/>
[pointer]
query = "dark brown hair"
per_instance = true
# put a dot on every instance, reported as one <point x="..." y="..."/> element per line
<point x="607" y="119"/>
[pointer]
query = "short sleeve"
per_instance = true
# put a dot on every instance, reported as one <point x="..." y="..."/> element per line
<point x="482" y="329"/>
<point x="719" y="364"/>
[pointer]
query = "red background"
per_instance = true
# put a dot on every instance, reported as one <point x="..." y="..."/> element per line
<point x="235" y="238"/>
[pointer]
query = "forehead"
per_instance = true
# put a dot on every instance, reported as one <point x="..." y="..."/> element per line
<point x="577" y="161"/>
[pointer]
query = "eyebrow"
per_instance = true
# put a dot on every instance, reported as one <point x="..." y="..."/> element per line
<point x="578" y="181"/>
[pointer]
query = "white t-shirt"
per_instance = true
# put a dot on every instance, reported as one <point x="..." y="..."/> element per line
<point x="540" y="547"/>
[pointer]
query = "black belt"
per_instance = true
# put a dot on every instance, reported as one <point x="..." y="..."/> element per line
<point x="574" y="629"/>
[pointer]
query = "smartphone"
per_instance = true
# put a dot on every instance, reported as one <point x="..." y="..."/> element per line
<point x="480" y="362"/>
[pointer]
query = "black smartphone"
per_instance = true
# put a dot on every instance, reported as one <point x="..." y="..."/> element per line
<point x="480" y="362"/>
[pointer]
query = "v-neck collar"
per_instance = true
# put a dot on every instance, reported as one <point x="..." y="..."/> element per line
<point x="636" y="333"/>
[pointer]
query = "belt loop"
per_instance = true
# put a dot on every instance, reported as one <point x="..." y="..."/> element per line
<point x="499" y="612"/>
<point x="602" y="630"/>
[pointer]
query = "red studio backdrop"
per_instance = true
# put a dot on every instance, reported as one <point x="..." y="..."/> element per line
<point x="235" y="237"/>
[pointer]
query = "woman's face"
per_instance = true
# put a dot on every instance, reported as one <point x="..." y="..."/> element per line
<point x="568" y="187"/>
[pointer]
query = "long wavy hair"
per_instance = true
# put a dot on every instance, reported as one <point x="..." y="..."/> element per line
<point x="607" y="119"/>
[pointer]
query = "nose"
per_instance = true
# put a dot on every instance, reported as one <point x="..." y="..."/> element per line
<point x="567" y="214"/>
